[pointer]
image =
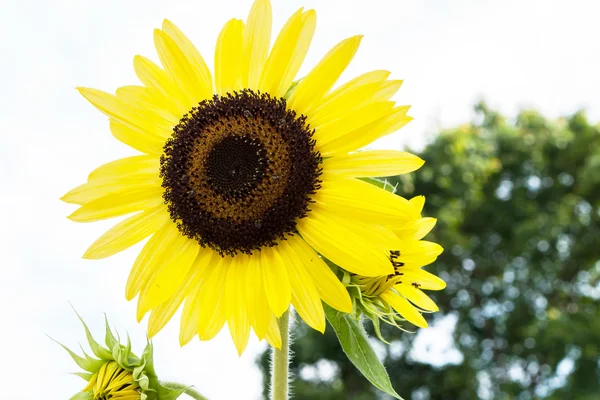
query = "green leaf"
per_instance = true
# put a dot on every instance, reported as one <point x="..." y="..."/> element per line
<point x="382" y="184"/>
<point x="355" y="344"/>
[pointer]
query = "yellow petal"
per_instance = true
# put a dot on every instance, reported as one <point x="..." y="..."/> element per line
<point x="415" y="251"/>
<point x="162" y="314"/>
<point x="169" y="277"/>
<point x="235" y="305"/>
<point x="288" y="53"/>
<point x="188" y="76"/>
<point x="329" y="287"/>
<point x="235" y="276"/>
<point x="415" y="230"/>
<point x="128" y="232"/>
<point x="351" y="245"/>
<point x="373" y="163"/>
<point x="404" y="308"/>
<point x="417" y="261"/>
<point x="418" y="203"/>
<point x="149" y="144"/>
<point x="98" y="188"/>
<point x="212" y="312"/>
<point x="305" y="297"/>
<point x="276" y="281"/>
<point x="417" y="297"/>
<point x="104" y="374"/>
<point x="345" y="103"/>
<point x="366" y="134"/>
<point x="424" y="226"/>
<point x="150" y="258"/>
<point x="214" y="325"/>
<point x="349" y="122"/>
<point x="323" y="76"/>
<point x="190" y="52"/>
<point x="145" y="165"/>
<point x="154" y="77"/>
<point x="143" y="122"/>
<point x="116" y="204"/>
<point x="256" y="300"/>
<point x="426" y="280"/>
<point x="228" y="57"/>
<point x="257" y="39"/>
<point x="273" y="334"/>
<point x="343" y="92"/>
<point x="190" y="315"/>
<point x="387" y="89"/>
<point x="140" y="312"/>
<point x="363" y="201"/>
<point x="141" y="97"/>
<point x="91" y="383"/>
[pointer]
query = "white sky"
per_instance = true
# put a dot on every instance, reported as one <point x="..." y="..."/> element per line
<point x="542" y="53"/>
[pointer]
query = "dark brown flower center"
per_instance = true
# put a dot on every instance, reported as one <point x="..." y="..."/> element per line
<point x="394" y="259"/>
<point x="239" y="171"/>
<point x="235" y="165"/>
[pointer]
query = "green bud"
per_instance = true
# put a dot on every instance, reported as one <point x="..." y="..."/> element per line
<point x="116" y="372"/>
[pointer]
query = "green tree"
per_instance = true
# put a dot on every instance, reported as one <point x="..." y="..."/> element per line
<point x="518" y="208"/>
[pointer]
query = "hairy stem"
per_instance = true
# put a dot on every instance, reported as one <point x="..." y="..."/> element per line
<point x="281" y="361"/>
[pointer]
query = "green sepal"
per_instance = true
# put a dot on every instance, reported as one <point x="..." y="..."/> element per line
<point x="98" y="350"/>
<point x="91" y="360"/>
<point x="82" y="396"/>
<point x="291" y="89"/>
<point x="380" y="183"/>
<point x="148" y="359"/>
<point x="124" y="357"/>
<point x="86" y="364"/>
<point x="144" y="381"/>
<point x="85" y="375"/>
<point x="377" y="328"/>
<point x="109" y="338"/>
<point x="355" y="343"/>
<point x="145" y="375"/>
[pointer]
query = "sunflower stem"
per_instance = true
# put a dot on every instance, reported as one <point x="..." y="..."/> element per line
<point x="281" y="361"/>
<point x="194" y="394"/>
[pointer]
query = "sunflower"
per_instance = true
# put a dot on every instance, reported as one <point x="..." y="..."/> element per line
<point x="117" y="373"/>
<point x="399" y="296"/>
<point x="245" y="179"/>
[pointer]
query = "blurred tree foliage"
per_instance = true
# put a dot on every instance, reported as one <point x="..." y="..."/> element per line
<point x="518" y="208"/>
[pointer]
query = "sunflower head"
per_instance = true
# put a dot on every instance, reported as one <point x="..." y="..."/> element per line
<point x="250" y="176"/>
<point x="116" y="372"/>
<point x="112" y="380"/>
<point x="398" y="297"/>
<point x="227" y="170"/>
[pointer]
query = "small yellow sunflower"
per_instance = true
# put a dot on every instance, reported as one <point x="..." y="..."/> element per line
<point x="117" y="373"/>
<point x="112" y="381"/>
<point x="399" y="296"/>
<point x="245" y="178"/>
